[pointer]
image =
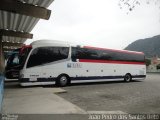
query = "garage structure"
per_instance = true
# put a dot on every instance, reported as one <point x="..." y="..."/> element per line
<point x="17" y="19"/>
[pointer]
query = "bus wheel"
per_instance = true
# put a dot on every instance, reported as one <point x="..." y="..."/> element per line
<point x="62" y="80"/>
<point x="127" y="77"/>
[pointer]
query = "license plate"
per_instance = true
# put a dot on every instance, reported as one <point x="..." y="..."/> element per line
<point x="33" y="79"/>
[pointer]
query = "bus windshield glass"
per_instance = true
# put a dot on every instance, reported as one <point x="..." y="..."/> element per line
<point x="13" y="58"/>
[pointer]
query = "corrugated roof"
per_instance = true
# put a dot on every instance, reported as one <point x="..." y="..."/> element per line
<point x="41" y="3"/>
<point x="18" y="22"/>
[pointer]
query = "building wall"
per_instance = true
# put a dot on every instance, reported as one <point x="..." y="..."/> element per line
<point x="153" y="67"/>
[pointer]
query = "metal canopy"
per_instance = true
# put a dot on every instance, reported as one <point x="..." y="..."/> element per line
<point x="25" y="9"/>
<point x="9" y="49"/>
<point x="15" y="34"/>
<point x="10" y="44"/>
<point x="18" y="18"/>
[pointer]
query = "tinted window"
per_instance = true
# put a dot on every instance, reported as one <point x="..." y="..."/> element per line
<point x="128" y="57"/>
<point x="16" y="60"/>
<point x="13" y="60"/>
<point x="45" y="55"/>
<point x="82" y="53"/>
<point x="85" y="53"/>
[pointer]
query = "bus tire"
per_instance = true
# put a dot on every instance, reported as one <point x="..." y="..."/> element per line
<point x="128" y="77"/>
<point x="62" y="80"/>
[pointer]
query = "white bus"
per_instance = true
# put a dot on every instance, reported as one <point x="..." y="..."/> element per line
<point x="51" y="62"/>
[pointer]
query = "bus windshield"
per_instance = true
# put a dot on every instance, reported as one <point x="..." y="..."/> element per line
<point x="13" y="58"/>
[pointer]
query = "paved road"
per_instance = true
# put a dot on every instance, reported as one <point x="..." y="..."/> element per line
<point x="133" y="97"/>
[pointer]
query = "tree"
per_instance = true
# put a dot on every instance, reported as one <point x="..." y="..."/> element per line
<point x="158" y="66"/>
<point x="130" y="5"/>
<point x="148" y="62"/>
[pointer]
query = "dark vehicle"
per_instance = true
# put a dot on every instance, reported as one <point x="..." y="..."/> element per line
<point x="15" y="62"/>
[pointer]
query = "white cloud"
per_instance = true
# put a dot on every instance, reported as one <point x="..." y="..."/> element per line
<point x="98" y="22"/>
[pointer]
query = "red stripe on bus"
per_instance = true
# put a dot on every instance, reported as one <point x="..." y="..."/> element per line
<point x="124" y="51"/>
<point x="111" y="61"/>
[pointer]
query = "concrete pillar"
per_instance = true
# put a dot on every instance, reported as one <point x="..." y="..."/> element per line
<point x="1" y="73"/>
<point x="2" y="62"/>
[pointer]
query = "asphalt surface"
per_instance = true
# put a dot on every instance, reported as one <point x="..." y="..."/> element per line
<point x="138" y="97"/>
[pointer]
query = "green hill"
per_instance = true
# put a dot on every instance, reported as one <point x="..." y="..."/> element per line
<point x="150" y="46"/>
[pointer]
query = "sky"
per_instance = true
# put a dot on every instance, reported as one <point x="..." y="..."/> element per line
<point x="99" y="23"/>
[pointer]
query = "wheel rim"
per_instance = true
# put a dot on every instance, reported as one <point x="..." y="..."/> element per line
<point x="63" y="80"/>
<point x="127" y="78"/>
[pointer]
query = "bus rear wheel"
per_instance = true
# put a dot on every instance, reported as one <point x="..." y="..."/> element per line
<point x="62" y="80"/>
<point x="127" y="77"/>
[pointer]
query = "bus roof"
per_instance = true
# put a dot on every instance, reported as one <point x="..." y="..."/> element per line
<point x="115" y="50"/>
<point x="41" y="43"/>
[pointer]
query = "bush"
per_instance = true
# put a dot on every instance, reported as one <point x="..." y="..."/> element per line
<point x="158" y="66"/>
<point x="148" y="62"/>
